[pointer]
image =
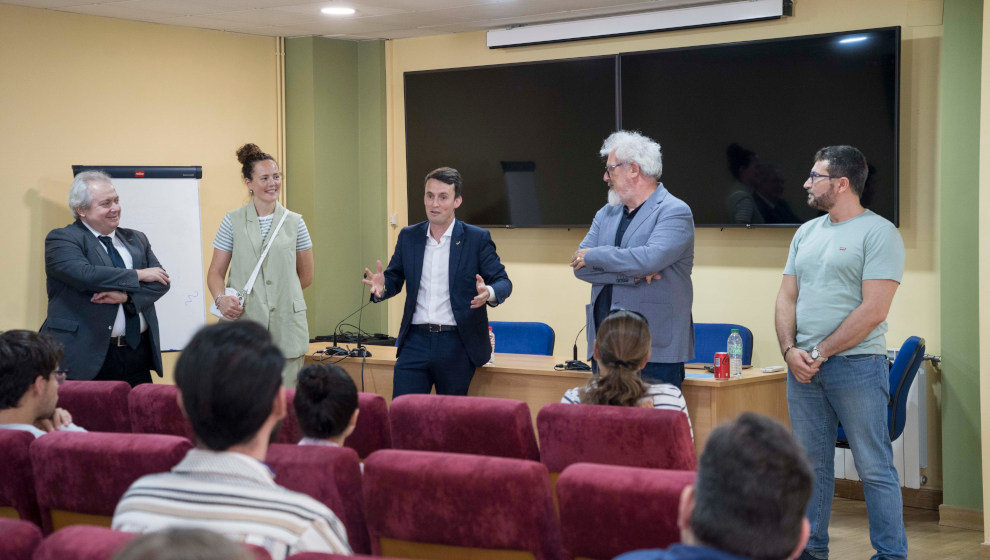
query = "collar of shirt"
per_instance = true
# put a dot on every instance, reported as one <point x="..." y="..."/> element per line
<point x="446" y="234"/>
<point x="112" y="235"/>
<point x="627" y="213"/>
<point x="225" y="463"/>
<point x="317" y="441"/>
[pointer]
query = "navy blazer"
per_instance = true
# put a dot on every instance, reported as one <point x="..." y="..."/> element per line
<point x="472" y="252"/>
<point x="78" y="266"/>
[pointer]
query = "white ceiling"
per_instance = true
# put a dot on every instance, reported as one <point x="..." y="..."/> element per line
<point x="374" y="19"/>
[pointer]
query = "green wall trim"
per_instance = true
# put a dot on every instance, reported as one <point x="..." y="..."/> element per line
<point x="959" y="109"/>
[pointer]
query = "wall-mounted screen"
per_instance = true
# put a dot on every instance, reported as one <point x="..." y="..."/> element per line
<point x="738" y="123"/>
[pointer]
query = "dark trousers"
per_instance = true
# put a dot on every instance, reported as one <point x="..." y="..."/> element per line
<point x="429" y="359"/>
<point x="655" y="372"/>
<point x="124" y="363"/>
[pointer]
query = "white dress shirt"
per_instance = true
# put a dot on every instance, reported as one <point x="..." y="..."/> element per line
<point x="125" y="255"/>
<point x="433" y="300"/>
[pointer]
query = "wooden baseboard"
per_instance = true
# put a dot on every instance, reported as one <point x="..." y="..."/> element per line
<point x="985" y="551"/>
<point x="923" y="498"/>
<point x="951" y="516"/>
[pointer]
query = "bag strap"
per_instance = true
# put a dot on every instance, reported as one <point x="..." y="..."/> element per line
<point x="257" y="268"/>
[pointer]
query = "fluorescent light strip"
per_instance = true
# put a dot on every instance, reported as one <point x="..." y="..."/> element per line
<point x="680" y="18"/>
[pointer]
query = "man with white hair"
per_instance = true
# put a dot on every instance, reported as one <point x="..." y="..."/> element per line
<point x="639" y="253"/>
<point x="103" y="282"/>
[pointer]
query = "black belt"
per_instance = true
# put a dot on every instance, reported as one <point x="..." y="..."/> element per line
<point x="430" y="327"/>
<point x="121" y="341"/>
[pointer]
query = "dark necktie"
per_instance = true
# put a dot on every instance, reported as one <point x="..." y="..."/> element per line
<point x="132" y="323"/>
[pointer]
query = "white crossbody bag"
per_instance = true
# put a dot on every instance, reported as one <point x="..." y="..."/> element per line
<point x="254" y="274"/>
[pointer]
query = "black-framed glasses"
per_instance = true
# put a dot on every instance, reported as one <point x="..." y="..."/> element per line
<point x="814" y="177"/>
<point x="609" y="168"/>
<point x="60" y="375"/>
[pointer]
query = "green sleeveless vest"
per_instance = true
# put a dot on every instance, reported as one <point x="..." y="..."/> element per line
<point x="276" y="301"/>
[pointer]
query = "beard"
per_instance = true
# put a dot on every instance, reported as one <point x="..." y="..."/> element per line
<point x="613" y="197"/>
<point x="824" y="201"/>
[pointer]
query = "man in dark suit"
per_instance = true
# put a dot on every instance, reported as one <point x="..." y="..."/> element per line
<point x="103" y="282"/>
<point x="453" y="271"/>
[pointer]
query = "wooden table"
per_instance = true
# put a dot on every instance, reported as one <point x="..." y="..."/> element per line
<point x="532" y="379"/>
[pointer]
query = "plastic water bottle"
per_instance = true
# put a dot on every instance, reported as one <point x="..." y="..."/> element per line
<point x="735" y="349"/>
<point x="491" y="338"/>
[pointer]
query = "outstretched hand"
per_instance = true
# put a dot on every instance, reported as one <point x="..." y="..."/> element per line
<point x="376" y="281"/>
<point x="483" y="293"/>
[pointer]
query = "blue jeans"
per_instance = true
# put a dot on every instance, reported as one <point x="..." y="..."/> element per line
<point x="853" y="390"/>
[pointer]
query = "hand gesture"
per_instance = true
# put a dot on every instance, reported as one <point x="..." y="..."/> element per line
<point x="483" y="293"/>
<point x="154" y="274"/>
<point x="649" y="277"/>
<point x="112" y="297"/>
<point x="577" y="259"/>
<point x="231" y="307"/>
<point x="375" y="280"/>
<point x="803" y="367"/>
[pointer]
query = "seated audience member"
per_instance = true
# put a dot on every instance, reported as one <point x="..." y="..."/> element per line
<point x="622" y="349"/>
<point x="183" y="544"/>
<point x="748" y="501"/>
<point x="326" y="404"/>
<point x="29" y="379"/>
<point x="230" y="388"/>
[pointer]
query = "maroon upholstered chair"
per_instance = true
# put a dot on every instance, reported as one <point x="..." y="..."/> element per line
<point x="326" y="556"/>
<point x="453" y="424"/>
<point x="98" y="406"/>
<point x="614" y="435"/>
<point x="80" y="477"/>
<point x="372" y="431"/>
<point x="289" y="432"/>
<point x="82" y="542"/>
<point x="421" y="504"/>
<point x="331" y="475"/>
<point x="18" y="539"/>
<point x="155" y="410"/>
<point x="17" y="498"/>
<point x="607" y="510"/>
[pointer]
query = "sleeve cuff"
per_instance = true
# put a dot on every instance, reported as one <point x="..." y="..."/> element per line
<point x="491" y="296"/>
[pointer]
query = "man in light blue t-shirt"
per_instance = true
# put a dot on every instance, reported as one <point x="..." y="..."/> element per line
<point x="842" y="271"/>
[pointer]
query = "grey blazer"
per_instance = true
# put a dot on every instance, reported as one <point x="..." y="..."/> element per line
<point x="77" y="266"/>
<point x="659" y="239"/>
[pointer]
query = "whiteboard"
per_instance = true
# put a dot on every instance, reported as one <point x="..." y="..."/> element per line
<point x="167" y="211"/>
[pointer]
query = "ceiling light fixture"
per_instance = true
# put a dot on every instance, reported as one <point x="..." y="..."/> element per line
<point x="338" y="11"/>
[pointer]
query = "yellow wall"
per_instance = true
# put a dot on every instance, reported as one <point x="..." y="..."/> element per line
<point x="736" y="272"/>
<point x="83" y="89"/>
<point x="984" y="301"/>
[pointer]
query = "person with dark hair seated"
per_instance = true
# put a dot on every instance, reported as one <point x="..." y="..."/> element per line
<point x="748" y="500"/>
<point x="183" y="544"/>
<point x="622" y="349"/>
<point x="326" y="404"/>
<point x="230" y="389"/>
<point x="29" y="380"/>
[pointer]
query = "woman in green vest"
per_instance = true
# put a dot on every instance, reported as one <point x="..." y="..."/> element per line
<point x="276" y="298"/>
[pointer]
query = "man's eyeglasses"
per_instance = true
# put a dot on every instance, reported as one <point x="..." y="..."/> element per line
<point x="814" y="177"/>
<point x="609" y="168"/>
<point x="60" y="375"/>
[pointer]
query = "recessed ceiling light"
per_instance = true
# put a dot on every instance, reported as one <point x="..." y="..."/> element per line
<point x="338" y="11"/>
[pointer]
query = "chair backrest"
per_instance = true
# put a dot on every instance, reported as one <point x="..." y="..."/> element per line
<point x="607" y="510"/>
<point x="456" y="424"/>
<point x="82" y="542"/>
<point x="330" y="475"/>
<point x="18" y="539"/>
<point x="712" y="337"/>
<point x="614" y="435"/>
<point x="372" y="431"/>
<point x="902" y="374"/>
<point x="17" y="497"/>
<point x="154" y="410"/>
<point x="98" y="406"/>
<point x="290" y="431"/>
<point x="422" y="504"/>
<point x="79" y="477"/>
<point x="519" y="337"/>
<point x="327" y="556"/>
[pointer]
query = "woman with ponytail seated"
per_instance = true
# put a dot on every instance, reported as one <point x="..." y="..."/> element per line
<point x="622" y="349"/>
<point x="326" y="404"/>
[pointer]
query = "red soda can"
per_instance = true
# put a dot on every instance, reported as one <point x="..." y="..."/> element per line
<point x="721" y="365"/>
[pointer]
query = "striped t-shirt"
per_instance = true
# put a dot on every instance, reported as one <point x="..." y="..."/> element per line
<point x="236" y="496"/>
<point x="662" y="395"/>
<point x="225" y="235"/>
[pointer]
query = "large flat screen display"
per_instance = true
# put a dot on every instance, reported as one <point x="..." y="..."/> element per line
<point x="739" y="124"/>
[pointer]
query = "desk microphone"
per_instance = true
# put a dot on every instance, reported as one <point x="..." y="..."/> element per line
<point x="575" y="364"/>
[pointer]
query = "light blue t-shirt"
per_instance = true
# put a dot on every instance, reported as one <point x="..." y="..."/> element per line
<point x="830" y="261"/>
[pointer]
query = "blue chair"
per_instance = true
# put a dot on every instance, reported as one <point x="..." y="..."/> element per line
<point x="712" y="337"/>
<point x="522" y="338"/>
<point x="902" y="374"/>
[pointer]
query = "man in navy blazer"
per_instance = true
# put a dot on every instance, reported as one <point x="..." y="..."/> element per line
<point x="639" y="253"/>
<point x="103" y="282"/>
<point x="453" y="271"/>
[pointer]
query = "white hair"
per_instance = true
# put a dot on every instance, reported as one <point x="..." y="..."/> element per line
<point x="79" y="193"/>
<point x="633" y="146"/>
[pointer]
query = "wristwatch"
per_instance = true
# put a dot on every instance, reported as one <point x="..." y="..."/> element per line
<point x="817" y="355"/>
